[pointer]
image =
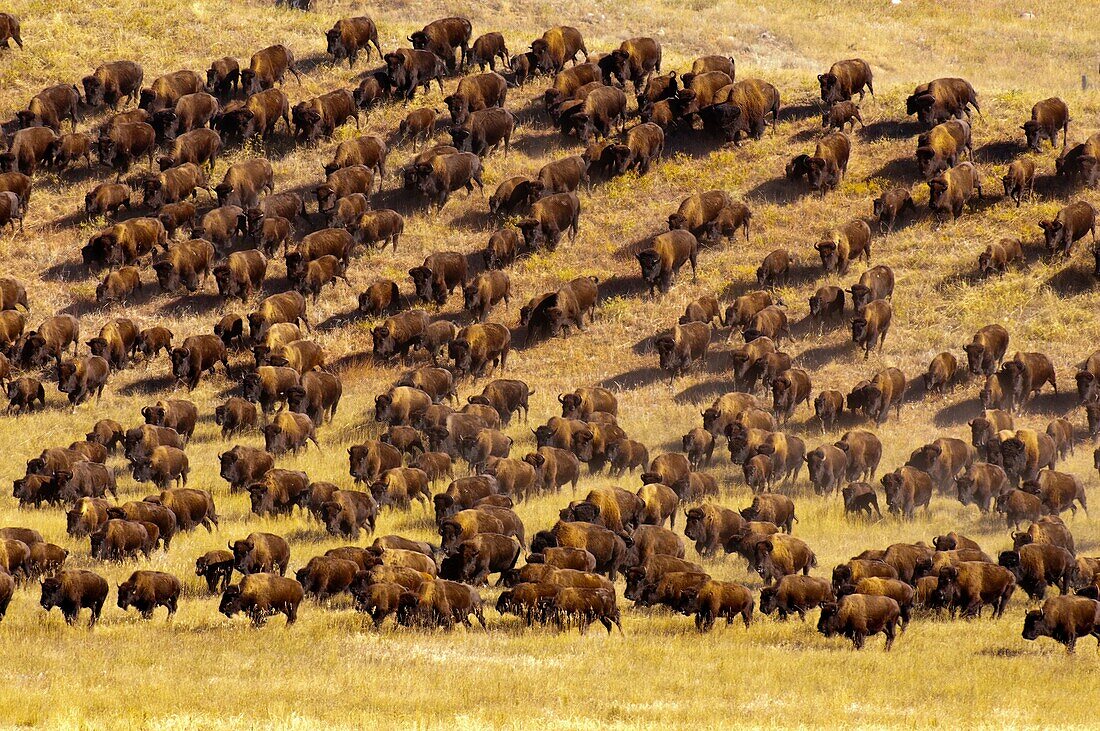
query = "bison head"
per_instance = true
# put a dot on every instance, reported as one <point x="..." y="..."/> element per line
<point x="223" y="191"/>
<point x="532" y="231"/>
<point x="459" y="107"/>
<point x="154" y="415"/>
<point x="541" y="50"/>
<point x="250" y="82"/>
<point x="892" y="484"/>
<point x="818" y="172"/>
<point x="307" y="121"/>
<point x="459" y="350"/>
<point x="261" y="498"/>
<point x="929" y="161"/>
<point x="126" y="595"/>
<point x="450" y="533"/>
<point x="695" y="524"/>
<point x="925" y="107"/>
<point x="93" y="91"/>
<point x="538" y="461"/>
<point x="614" y="66"/>
<point x="296" y="399"/>
<point x="276" y="440"/>
<point x="1013" y="456"/>
<point x="570" y="406"/>
<point x="1053" y="232"/>
<point x="831" y="90"/>
<point x="165" y="123"/>
<point x="798" y="167"/>
<point x="829" y="622"/>
<point x="1035" y="133"/>
<point x="51" y="593"/>
<point x="257" y="326"/>
<point x="650" y="263"/>
<point x="445" y="507"/>
<point x="252" y="387"/>
<point x="1036" y="626"/>
<point x="544" y="435"/>
<point x="228" y="461"/>
<point x="1011" y="561"/>
<point x="422" y="281"/>
<point x="383" y="405"/>
<point x="335" y="42"/>
<point x="964" y="486"/>
<point x="231" y="601"/>
<point x="332" y="514"/>
<point x="859" y="329"/>
<point x="937" y="194"/>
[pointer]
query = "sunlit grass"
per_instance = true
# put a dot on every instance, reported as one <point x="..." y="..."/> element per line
<point x="332" y="669"/>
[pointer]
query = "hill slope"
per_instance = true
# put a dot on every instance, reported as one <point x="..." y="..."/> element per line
<point x="331" y="669"/>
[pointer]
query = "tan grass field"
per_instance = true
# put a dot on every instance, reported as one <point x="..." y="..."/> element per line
<point x="331" y="669"/>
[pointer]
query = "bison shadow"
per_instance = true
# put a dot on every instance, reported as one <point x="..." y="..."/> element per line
<point x="399" y="199"/>
<point x="900" y="170"/>
<point x="977" y="206"/>
<point x="695" y="144"/>
<point x="1006" y="652"/>
<point x="313" y="61"/>
<point x="807" y="327"/>
<point x="628" y="251"/>
<point x="814" y="358"/>
<point x="1049" y="402"/>
<point x="799" y="112"/>
<point x="1073" y="280"/>
<point x="362" y="359"/>
<point x="339" y="320"/>
<point x="804" y="272"/>
<point x="902" y="222"/>
<point x="807" y="135"/>
<point x="552" y="143"/>
<point x="999" y="152"/>
<point x="368" y="71"/>
<point x="147" y="293"/>
<point x="149" y="385"/>
<point x="736" y="288"/>
<point x="635" y="378"/>
<point x="889" y="129"/>
<point x="533" y="115"/>
<point x="703" y="393"/>
<point x="957" y="414"/>
<point x="78" y="217"/>
<point x="475" y="219"/>
<point x="72" y="271"/>
<point x="1053" y="186"/>
<point x="779" y="190"/>
<point x="960" y="279"/>
<point x="200" y="303"/>
<point x="623" y="286"/>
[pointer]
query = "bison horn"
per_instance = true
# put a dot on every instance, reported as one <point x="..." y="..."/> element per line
<point x="561" y="399"/>
<point x="230" y="546"/>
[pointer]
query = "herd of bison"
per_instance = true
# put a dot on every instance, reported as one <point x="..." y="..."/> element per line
<point x="182" y="122"/>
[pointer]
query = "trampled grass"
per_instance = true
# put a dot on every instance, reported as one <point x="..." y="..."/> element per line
<point x="332" y="669"/>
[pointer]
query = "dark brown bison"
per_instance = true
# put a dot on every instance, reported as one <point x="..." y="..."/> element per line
<point x="350" y="35"/>
<point x="1070" y="225"/>
<point x="824" y="169"/>
<point x="261" y="595"/>
<point x="72" y="590"/>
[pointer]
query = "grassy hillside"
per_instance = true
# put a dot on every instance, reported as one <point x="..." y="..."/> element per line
<point x="331" y="669"/>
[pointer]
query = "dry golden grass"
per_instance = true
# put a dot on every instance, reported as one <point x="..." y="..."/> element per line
<point x="332" y="669"/>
